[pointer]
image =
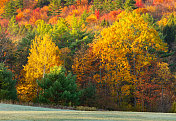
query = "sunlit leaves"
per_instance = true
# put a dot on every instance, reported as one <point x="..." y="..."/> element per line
<point x="43" y="55"/>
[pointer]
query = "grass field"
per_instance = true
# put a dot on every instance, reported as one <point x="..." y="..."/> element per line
<point x="27" y="113"/>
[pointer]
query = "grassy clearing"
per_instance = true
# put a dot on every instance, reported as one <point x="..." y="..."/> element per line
<point x="28" y="113"/>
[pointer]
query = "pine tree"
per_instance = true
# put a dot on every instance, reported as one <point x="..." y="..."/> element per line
<point x="129" y="5"/>
<point x="13" y="27"/>
<point x="10" y="9"/>
<point x="58" y="88"/>
<point x="7" y="84"/>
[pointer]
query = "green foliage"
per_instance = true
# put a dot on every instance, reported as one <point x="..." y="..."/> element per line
<point x="54" y="7"/>
<point x="10" y="9"/>
<point x="7" y="51"/>
<point x="58" y="88"/>
<point x="13" y="27"/>
<point x="173" y="108"/>
<point x="89" y="95"/>
<point x="169" y="31"/>
<point x="23" y="50"/>
<point x="129" y="5"/>
<point x="7" y="84"/>
<point x="42" y="28"/>
<point x="42" y="3"/>
<point x="19" y="4"/>
<point x="117" y="4"/>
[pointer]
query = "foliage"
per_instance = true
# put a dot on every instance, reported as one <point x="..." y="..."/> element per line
<point x="173" y="109"/>
<point x="7" y="84"/>
<point x="115" y="49"/>
<point x="129" y="5"/>
<point x="7" y="51"/>
<point x="54" y="7"/>
<point x="10" y="9"/>
<point x="43" y="55"/>
<point x="123" y="49"/>
<point x="58" y="88"/>
<point x="13" y="27"/>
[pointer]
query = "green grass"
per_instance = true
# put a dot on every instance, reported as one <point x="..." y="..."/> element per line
<point x="27" y="113"/>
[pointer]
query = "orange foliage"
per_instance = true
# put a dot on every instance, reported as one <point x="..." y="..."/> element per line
<point x="2" y="3"/>
<point x="141" y="10"/>
<point x="110" y="16"/>
<point x="29" y="16"/>
<point x="76" y="10"/>
<point x="53" y="20"/>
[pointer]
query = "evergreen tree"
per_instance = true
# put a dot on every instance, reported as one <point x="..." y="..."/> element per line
<point x="118" y="4"/>
<point x="19" y="4"/>
<point x="169" y="31"/>
<point x="129" y="5"/>
<point x="55" y="6"/>
<point x="7" y="84"/>
<point x="58" y="88"/>
<point x="10" y="9"/>
<point x="13" y="27"/>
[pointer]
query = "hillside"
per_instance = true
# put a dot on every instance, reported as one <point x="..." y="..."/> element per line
<point x="109" y="54"/>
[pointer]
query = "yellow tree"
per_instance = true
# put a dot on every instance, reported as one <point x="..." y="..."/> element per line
<point x="124" y="48"/>
<point x="2" y="4"/>
<point x="43" y="55"/>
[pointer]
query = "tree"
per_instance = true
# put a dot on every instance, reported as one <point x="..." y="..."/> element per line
<point x="59" y="88"/>
<point x="169" y="31"/>
<point x="13" y="27"/>
<point x="124" y="48"/>
<point x="129" y="5"/>
<point x="55" y="6"/>
<point x="7" y="84"/>
<point x="10" y="9"/>
<point x="43" y="55"/>
<point x="7" y="51"/>
<point x="2" y="5"/>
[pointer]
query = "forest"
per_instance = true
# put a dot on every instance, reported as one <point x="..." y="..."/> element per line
<point x="108" y="54"/>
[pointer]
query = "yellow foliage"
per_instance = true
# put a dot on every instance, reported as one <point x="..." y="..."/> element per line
<point x="91" y="19"/>
<point x="124" y="47"/>
<point x="125" y="89"/>
<point x="43" y="55"/>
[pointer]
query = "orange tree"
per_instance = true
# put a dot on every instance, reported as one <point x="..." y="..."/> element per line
<point x="124" y="49"/>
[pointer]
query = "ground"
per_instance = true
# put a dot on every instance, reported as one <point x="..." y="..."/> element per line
<point x="28" y="113"/>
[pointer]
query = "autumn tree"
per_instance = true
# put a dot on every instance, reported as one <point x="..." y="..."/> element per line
<point x="7" y="51"/>
<point x="2" y="5"/>
<point x="124" y="48"/>
<point x="43" y="55"/>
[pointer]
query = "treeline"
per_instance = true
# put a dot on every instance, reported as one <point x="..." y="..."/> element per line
<point x="116" y="55"/>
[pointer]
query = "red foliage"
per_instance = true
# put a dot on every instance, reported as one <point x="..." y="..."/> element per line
<point x="97" y="13"/>
<point x="139" y="3"/>
<point x="4" y="23"/>
<point x="110" y="16"/>
<point x="29" y="16"/>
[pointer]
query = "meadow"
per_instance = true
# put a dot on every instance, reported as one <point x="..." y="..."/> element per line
<point x="28" y="113"/>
